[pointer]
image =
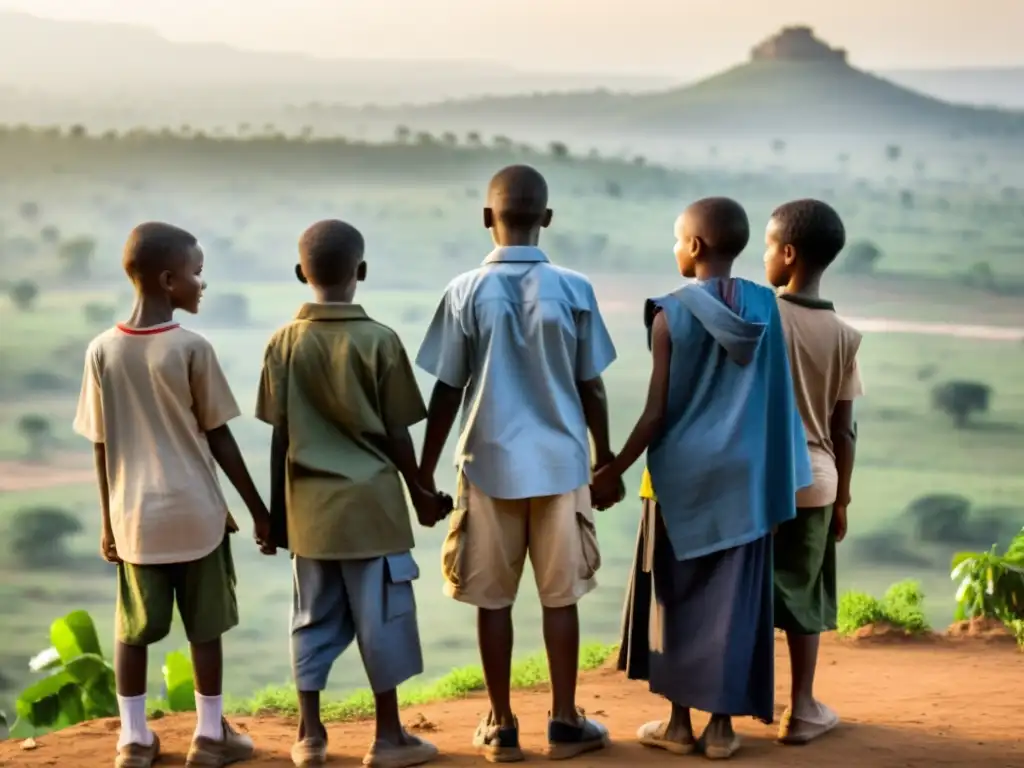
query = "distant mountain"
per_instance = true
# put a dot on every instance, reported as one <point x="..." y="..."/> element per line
<point x="793" y="84"/>
<point x="990" y="87"/>
<point x="70" y="58"/>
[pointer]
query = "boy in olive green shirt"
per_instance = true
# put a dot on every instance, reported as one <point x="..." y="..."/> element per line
<point x="339" y="391"/>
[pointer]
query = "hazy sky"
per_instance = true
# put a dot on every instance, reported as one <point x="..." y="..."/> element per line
<point x="670" y="37"/>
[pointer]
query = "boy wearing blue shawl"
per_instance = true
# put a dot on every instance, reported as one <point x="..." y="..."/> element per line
<point x="726" y="454"/>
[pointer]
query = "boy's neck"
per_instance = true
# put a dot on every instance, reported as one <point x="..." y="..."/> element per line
<point x="806" y="285"/>
<point x="333" y="294"/>
<point x="149" y="311"/>
<point x="713" y="269"/>
<point x="505" y="238"/>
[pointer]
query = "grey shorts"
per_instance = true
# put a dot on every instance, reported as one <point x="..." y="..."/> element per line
<point x="370" y="601"/>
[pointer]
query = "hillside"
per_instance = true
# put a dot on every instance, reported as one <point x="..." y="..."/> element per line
<point x="65" y="58"/>
<point x="981" y="86"/>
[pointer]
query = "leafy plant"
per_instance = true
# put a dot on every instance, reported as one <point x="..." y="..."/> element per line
<point x="902" y="606"/>
<point x="992" y="585"/>
<point x="77" y="682"/>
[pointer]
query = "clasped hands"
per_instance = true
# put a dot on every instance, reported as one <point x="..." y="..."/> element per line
<point x="606" y="488"/>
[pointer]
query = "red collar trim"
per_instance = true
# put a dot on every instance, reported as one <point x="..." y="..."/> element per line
<point x="147" y="331"/>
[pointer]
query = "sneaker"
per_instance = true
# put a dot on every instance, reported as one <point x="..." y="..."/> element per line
<point x="208" y="753"/>
<point x="497" y="744"/>
<point x="138" y="755"/>
<point x="567" y="740"/>
<point x="312" y="751"/>
<point x="412" y="751"/>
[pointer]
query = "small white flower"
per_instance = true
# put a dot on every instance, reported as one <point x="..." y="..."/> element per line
<point x="44" y="660"/>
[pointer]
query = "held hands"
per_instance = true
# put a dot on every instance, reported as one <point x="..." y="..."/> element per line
<point x="431" y="505"/>
<point x="262" y="531"/>
<point x="607" y="488"/>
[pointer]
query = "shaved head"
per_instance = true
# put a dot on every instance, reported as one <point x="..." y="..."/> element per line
<point x="720" y="223"/>
<point x="154" y="248"/>
<point x="330" y="253"/>
<point x="518" y="198"/>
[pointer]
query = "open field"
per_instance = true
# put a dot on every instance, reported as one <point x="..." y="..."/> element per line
<point x="950" y="254"/>
<point x="898" y="707"/>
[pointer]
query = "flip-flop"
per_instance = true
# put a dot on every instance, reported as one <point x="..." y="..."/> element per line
<point x="794" y="731"/>
<point x="653" y="735"/>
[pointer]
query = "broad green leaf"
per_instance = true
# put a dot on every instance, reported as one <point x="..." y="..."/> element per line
<point x="100" y="696"/>
<point x="43" y="703"/>
<point x="22" y="729"/>
<point x="74" y="635"/>
<point x="180" y="682"/>
<point x="87" y="668"/>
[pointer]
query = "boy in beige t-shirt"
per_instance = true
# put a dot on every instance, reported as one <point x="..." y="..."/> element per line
<point x="155" y="404"/>
<point x="803" y="238"/>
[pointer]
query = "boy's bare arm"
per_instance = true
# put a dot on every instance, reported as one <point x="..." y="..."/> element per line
<point x="844" y="443"/>
<point x="226" y="453"/>
<point x="108" y="549"/>
<point x="278" y="479"/>
<point x="445" y="402"/>
<point x="594" y="399"/>
<point x="649" y="423"/>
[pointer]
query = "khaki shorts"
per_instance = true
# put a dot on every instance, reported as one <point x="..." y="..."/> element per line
<point x="488" y="541"/>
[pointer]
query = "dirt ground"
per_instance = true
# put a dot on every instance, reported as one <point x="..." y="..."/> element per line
<point x="904" y="704"/>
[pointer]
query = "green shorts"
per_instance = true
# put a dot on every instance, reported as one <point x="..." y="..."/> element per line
<point x="805" y="573"/>
<point x="204" y="591"/>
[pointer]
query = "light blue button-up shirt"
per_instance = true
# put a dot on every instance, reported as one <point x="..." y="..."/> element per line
<point x="518" y="333"/>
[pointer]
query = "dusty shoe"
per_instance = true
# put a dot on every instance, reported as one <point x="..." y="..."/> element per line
<point x="497" y="744"/>
<point x="412" y="751"/>
<point x="657" y="735"/>
<point x="137" y="755"/>
<point x="233" y="748"/>
<point x="312" y="751"/>
<point x="719" y="741"/>
<point x="566" y="740"/>
<point x="803" y="730"/>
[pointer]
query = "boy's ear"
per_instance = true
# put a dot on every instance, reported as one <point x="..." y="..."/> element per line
<point x="788" y="255"/>
<point x="548" y="216"/>
<point x="299" y="276"/>
<point x="361" y="271"/>
<point x="488" y="218"/>
<point x="165" y="279"/>
<point x="697" y="247"/>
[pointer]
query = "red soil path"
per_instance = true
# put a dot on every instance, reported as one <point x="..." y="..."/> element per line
<point x="943" y="702"/>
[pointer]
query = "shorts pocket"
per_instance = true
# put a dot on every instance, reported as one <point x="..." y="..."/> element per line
<point x="590" y="551"/>
<point x="453" y="551"/>
<point x="400" y="571"/>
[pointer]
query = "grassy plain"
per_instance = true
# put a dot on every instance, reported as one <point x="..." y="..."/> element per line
<point x="419" y="206"/>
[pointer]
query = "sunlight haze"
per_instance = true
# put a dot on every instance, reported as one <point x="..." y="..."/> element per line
<point x="643" y="36"/>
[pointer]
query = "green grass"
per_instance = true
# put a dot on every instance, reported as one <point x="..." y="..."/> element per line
<point x="457" y="684"/>
<point x="902" y="606"/>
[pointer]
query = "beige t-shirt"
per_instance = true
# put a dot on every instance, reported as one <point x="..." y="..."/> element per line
<point x="823" y="360"/>
<point x="150" y="396"/>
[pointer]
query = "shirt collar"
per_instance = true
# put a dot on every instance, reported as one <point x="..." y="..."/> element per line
<point x="314" y="311"/>
<point x="807" y="301"/>
<point x="522" y="254"/>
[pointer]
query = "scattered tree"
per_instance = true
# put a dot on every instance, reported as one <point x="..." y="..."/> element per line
<point x="24" y="294"/>
<point x="37" y="433"/>
<point x="502" y="142"/>
<point x="779" y="147"/>
<point x="77" y="131"/>
<point x="29" y="210"/>
<point x="98" y="314"/>
<point x="49" y="234"/>
<point x="474" y="139"/>
<point x="558" y="150"/>
<point x="860" y="257"/>
<point x="961" y="399"/>
<point x="76" y="256"/>
<point x="893" y="152"/>
<point x="450" y="139"/>
<point x="425" y="138"/>
<point x="402" y="134"/>
<point x="39" y="536"/>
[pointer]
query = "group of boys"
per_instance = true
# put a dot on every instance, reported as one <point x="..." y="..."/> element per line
<point x="747" y="429"/>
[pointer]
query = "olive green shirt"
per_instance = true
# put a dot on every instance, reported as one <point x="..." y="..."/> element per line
<point x="334" y="378"/>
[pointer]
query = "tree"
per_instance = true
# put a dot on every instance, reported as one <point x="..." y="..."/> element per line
<point x="24" y="294"/>
<point x="76" y="255"/>
<point x="450" y="139"/>
<point x="861" y="257"/>
<point x="98" y="314"/>
<point x="36" y="431"/>
<point x="502" y="142"/>
<point x="29" y="210"/>
<point x="425" y="138"/>
<point x="38" y="536"/>
<point x="49" y="234"/>
<point x="77" y="131"/>
<point x="893" y="152"/>
<point x="779" y="146"/>
<point x="402" y="134"/>
<point x="961" y="399"/>
<point x="474" y="139"/>
<point x="558" y="150"/>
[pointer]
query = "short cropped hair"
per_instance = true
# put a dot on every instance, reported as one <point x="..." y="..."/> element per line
<point x="813" y="228"/>
<point x="154" y="247"/>
<point x="330" y="252"/>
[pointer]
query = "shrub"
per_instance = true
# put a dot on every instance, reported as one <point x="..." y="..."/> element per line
<point x="939" y="518"/>
<point x="991" y="585"/>
<point x="36" y="431"/>
<point x="961" y="399"/>
<point x="98" y="314"/>
<point x="24" y="294"/>
<point x="860" y="258"/>
<point x="38" y="536"/>
<point x="902" y="606"/>
<point x="76" y="256"/>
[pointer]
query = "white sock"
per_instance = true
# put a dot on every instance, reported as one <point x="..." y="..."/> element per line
<point x="210" y="711"/>
<point x="133" y="721"/>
